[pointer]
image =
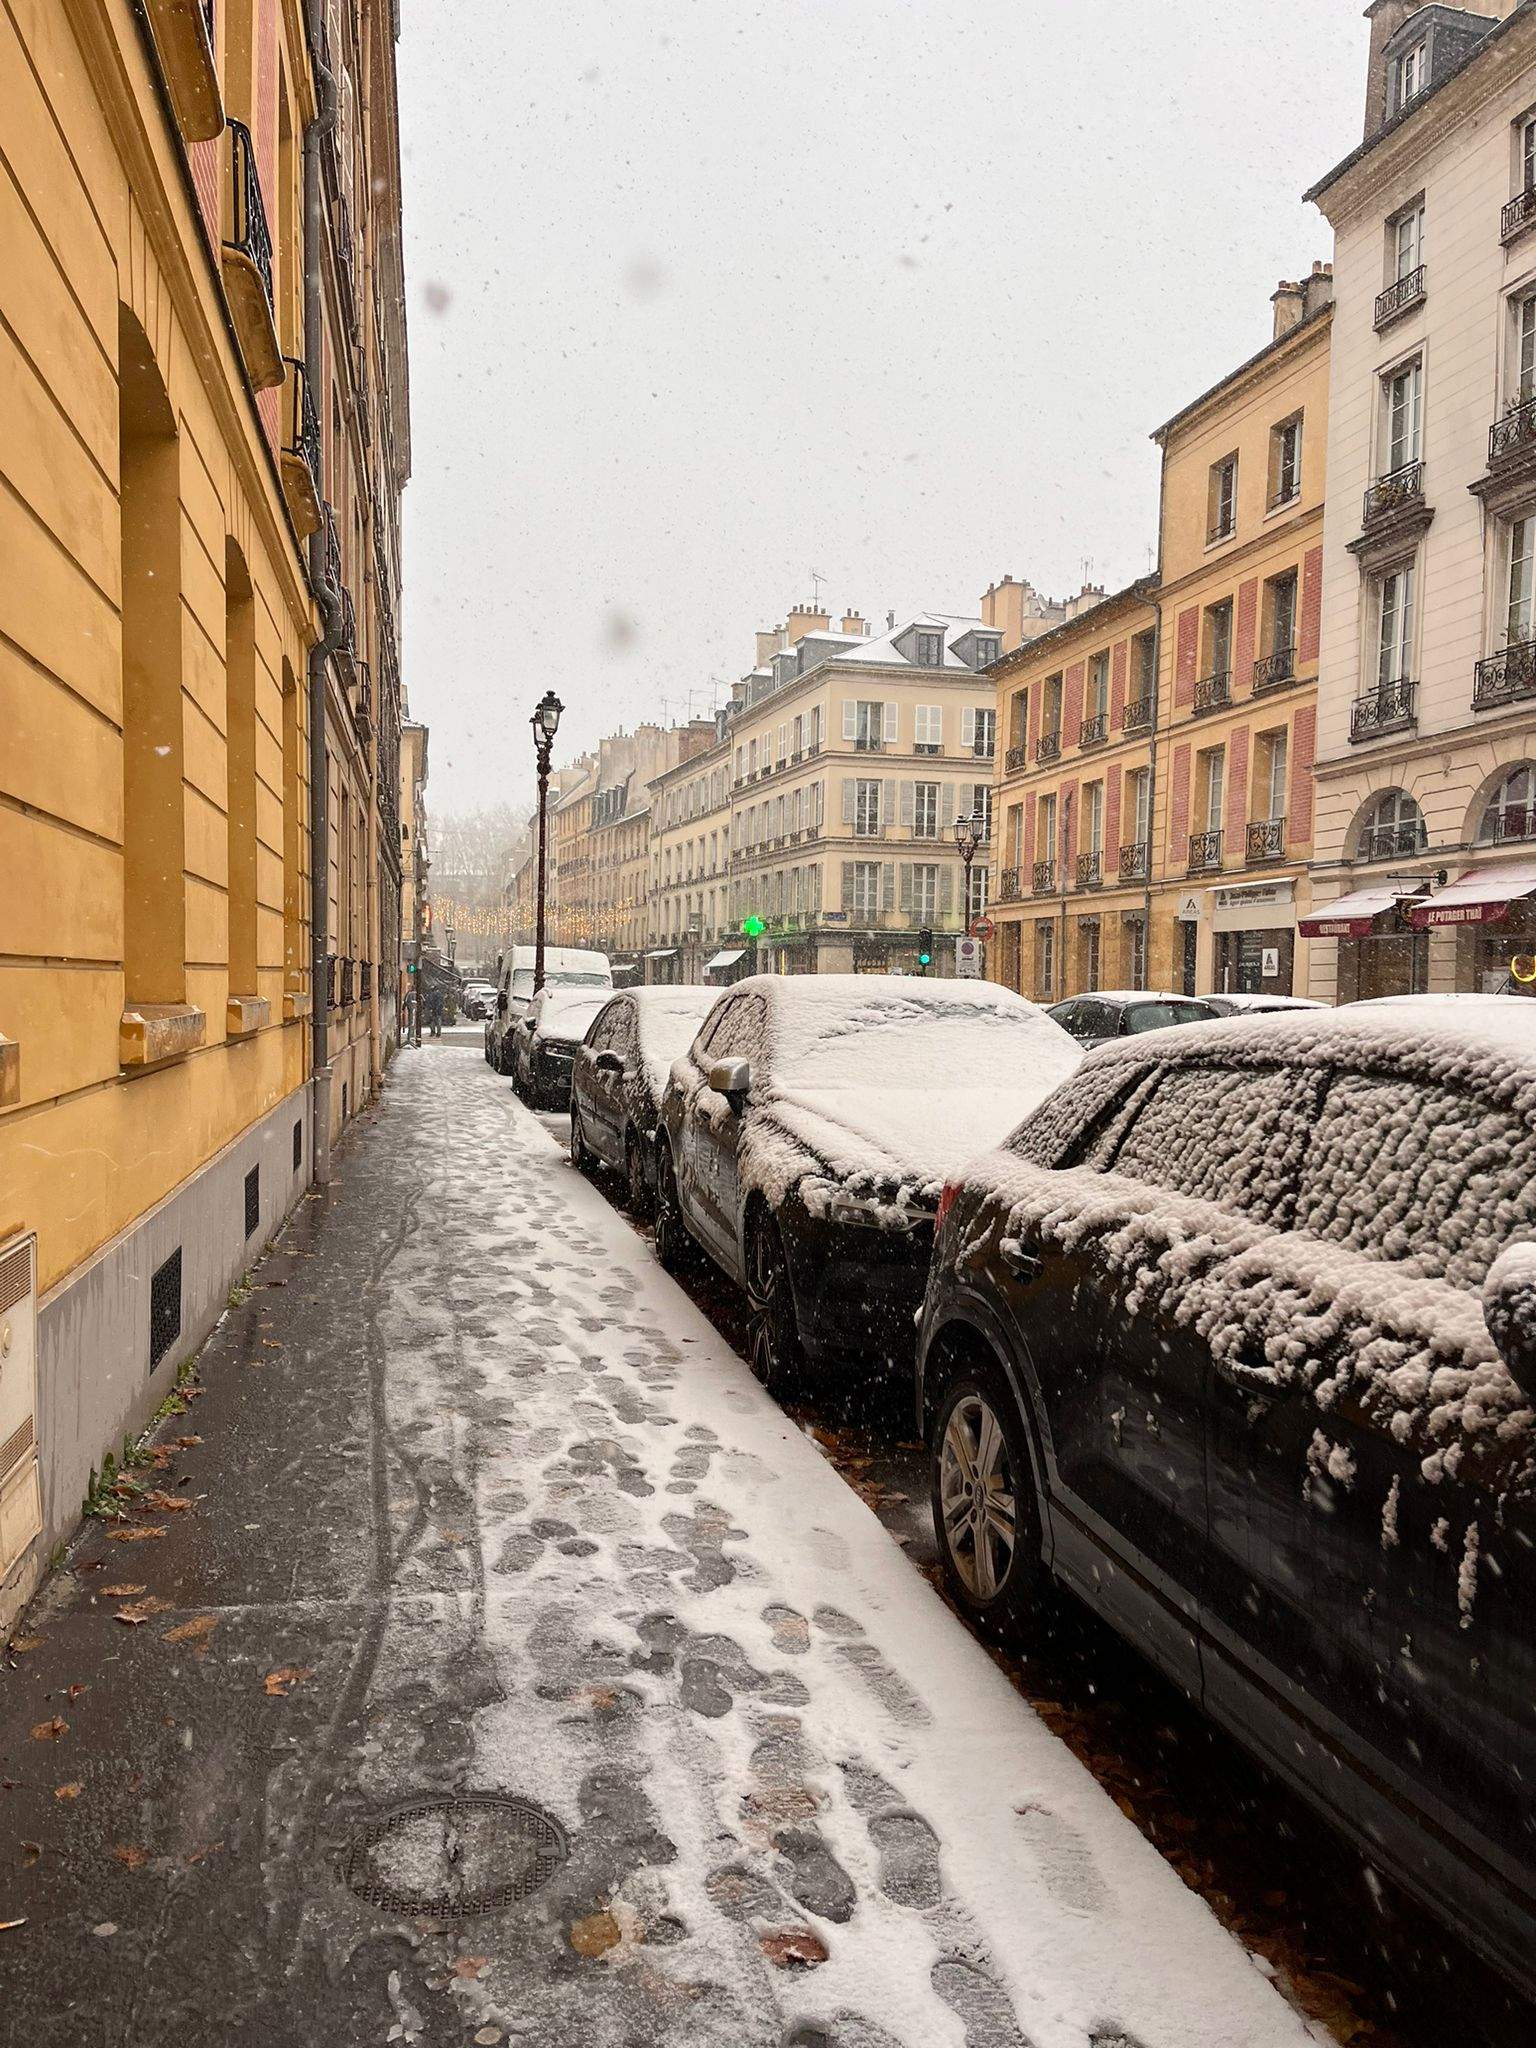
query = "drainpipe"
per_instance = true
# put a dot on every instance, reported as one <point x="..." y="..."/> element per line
<point x="328" y="599"/>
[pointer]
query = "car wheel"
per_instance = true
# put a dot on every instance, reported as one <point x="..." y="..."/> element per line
<point x="581" y="1158"/>
<point x="673" y="1244"/>
<point x="985" y="1513"/>
<point x="774" y="1351"/>
<point x="638" y="1190"/>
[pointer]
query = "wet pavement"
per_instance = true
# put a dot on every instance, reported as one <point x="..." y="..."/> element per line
<point x="489" y="1660"/>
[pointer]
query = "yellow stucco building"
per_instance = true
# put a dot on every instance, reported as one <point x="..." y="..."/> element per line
<point x="179" y="400"/>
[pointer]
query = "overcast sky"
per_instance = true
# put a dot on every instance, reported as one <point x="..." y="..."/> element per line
<point x="704" y="295"/>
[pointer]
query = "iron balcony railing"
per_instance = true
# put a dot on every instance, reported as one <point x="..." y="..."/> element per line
<point x="1090" y="870"/>
<point x="346" y="983"/>
<point x="1514" y="821"/>
<point x="303" y="421"/>
<point x="1517" y="216"/>
<point x="251" y="235"/>
<point x="1138" y="714"/>
<point x="1135" y="861"/>
<point x="1506" y="677"/>
<point x="1043" y="877"/>
<point x="1387" y="708"/>
<point x="1394" y="842"/>
<point x="333" y="576"/>
<point x="331" y="965"/>
<point x="1273" y="669"/>
<point x="1213" y="692"/>
<point x="1266" y="839"/>
<point x="1014" y="759"/>
<point x="362" y="702"/>
<point x="1514" y="431"/>
<point x="1008" y="886"/>
<point x="1223" y="528"/>
<point x="346" y="274"/>
<point x="1093" y="731"/>
<point x="1395" y="492"/>
<point x="1406" y="292"/>
<point x="1048" y="746"/>
<point x="365" y="979"/>
<point x="1204" y="852"/>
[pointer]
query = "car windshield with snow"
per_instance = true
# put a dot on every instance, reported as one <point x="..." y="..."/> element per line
<point x="1125" y="1013"/>
<point x="545" y="1045"/>
<point x="1237" y="1337"/>
<point x="620" y="1077"/>
<point x="807" y="1132"/>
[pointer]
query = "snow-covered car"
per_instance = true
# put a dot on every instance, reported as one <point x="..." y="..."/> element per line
<point x="564" y="967"/>
<point x="548" y="1040"/>
<point x="620" y="1077"/>
<point x="1124" y="1012"/>
<point x="1238" y="1003"/>
<point x="1236" y="1336"/>
<point x="805" y="1136"/>
<point x="478" y="1000"/>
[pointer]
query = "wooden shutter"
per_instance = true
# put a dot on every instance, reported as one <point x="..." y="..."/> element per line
<point x="889" y="725"/>
<point x="850" y="792"/>
<point x="906" y="887"/>
<point x="847" y="885"/>
<point x="887" y="885"/>
<point x="887" y="806"/>
<point x="946" y="890"/>
<point x="850" y="719"/>
<point x="908" y="802"/>
<point x="968" y="726"/>
<point x="946" y="805"/>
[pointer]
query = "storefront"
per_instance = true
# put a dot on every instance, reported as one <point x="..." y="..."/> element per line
<point x="1492" y="911"/>
<point x="1380" y="951"/>
<point x="727" y="966"/>
<point x="661" y="965"/>
<point x="1253" y="927"/>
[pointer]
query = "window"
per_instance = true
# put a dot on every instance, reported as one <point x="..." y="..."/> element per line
<point x="1051" y="706"/>
<point x="1218" y="639"/>
<point x="1136" y="931"/>
<point x="1143" y="667"/>
<point x="1138" y="805"/>
<point x="925" y="892"/>
<point x="751" y="758"/>
<point x="1091" y="954"/>
<point x="1525" y="349"/>
<point x="1214" y="1133"/>
<point x="988" y="646"/>
<point x="783" y="744"/>
<point x="1518" y="624"/>
<point x="1403" y="392"/>
<point x="1528" y="156"/>
<point x="798" y="732"/>
<point x="1280" y="639"/>
<point x="1093" y="818"/>
<point x="1412" y="73"/>
<point x="925" y="810"/>
<point x="1274" y="751"/>
<point x="928" y="728"/>
<point x="1212" y="775"/>
<point x="981" y="806"/>
<point x="1098" y="686"/>
<point x="978" y="729"/>
<point x="1045" y="829"/>
<point x="1018" y="718"/>
<point x="1222" y="521"/>
<point x="1393" y="825"/>
<point x="1045" y="959"/>
<point x="1394" y="631"/>
<point x="1408" y="242"/>
<point x="1511" y="810"/>
<point x="866" y="809"/>
<point x="869" y="726"/>
<point x="976" y="905"/>
<point x="866" y="889"/>
<point x="1285" y="462"/>
<point x="930" y="650"/>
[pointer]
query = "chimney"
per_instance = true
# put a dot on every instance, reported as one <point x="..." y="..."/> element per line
<point x="1290" y="304"/>
<point x="803" y="619"/>
<point x="1386" y="18"/>
<point x="1002" y="608"/>
<point x="768" y="645"/>
<point x="890" y="622"/>
<point x="1318" y="288"/>
<point x="854" y="622"/>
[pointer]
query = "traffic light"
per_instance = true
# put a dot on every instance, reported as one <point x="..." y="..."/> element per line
<point x="925" y="949"/>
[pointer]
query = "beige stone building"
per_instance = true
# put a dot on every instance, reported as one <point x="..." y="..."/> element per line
<point x="688" y="908"/>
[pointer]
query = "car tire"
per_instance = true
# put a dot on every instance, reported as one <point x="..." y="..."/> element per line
<point x="637" y="1187"/>
<point x="774" y="1350"/>
<point x="674" y="1247"/>
<point x="581" y="1158"/>
<point x="986" y="1513"/>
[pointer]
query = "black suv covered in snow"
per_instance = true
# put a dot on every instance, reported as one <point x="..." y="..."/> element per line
<point x="1236" y="1336"/>
<point x="620" y="1076"/>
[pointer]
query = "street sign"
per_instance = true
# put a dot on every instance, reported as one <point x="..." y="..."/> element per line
<point x="982" y="928"/>
<point x="968" y="957"/>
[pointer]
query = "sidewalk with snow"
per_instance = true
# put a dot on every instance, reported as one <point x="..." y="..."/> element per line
<point x="492" y="1513"/>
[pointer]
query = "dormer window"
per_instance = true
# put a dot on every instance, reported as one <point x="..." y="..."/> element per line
<point x="988" y="647"/>
<point x="930" y="649"/>
<point x="1412" y="73"/>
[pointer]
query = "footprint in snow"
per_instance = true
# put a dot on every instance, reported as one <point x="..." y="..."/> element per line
<point x="981" y="2003"/>
<point x="1066" y="1861"/>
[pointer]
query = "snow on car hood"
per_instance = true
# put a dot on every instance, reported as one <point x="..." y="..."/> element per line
<point x="667" y="1021"/>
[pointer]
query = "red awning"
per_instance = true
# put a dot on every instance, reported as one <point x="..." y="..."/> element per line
<point x="1478" y="897"/>
<point x="1352" y="916"/>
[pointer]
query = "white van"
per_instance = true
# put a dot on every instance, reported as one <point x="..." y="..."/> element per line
<point x="564" y="967"/>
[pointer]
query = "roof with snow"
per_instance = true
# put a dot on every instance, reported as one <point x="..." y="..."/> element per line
<point x="885" y="651"/>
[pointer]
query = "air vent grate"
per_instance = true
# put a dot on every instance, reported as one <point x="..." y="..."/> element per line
<point x="15" y="1447"/>
<point x="252" y="1200"/>
<point x="298" y="1143"/>
<point x="164" y="1308"/>
<point x="15" y="1276"/>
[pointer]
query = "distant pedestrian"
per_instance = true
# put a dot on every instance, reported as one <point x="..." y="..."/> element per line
<point x="435" y="1012"/>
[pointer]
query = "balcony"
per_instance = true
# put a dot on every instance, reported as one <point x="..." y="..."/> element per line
<point x="1008" y="890"/>
<point x="346" y="644"/>
<point x="1139" y="714"/>
<point x="362" y="704"/>
<point x="1517" y="216"/>
<point x="1014" y="759"/>
<point x="1135" y="861"/>
<point x="1204" y="852"/>
<point x="1513" y="822"/>
<point x="247" y="266"/>
<point x="1090" y="870"/>
<point x="1043" y="877"/>
<point x="1514" y="433"/>
<point x="1400" y="297"/>
<point x="1271" y="670"/>
<point x="301" y="454"/>
<point x="1048" y="747"/>
<point x="346" y="271"/>
<point x="365" y="979"/>
<point x="1094" y="731"/>
<point x="347" y="995"/>
<point x="1387" y="708"/>
<point x="1393" y="842"/>
<point x="1266" y="840"/>
<point x="183" y="32"/>
<point x="1213" y="693"/>
<point x="1400" y="490"/>
<point x="1505" y="678"/>
<point x="868" y="743"/>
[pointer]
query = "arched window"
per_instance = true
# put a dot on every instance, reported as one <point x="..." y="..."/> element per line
<point x="1391" y="826"/>
<point x="1510" y="812"/>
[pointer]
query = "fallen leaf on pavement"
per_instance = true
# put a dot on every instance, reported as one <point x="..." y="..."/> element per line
<point x="793" y="1948"/>
<point x="139" y="1535"/>
<point x="280" y="1683"/>
<point x="596" y="1934"/>
<point x="50" y="1731"/>
<point x="197" y="1630"/>
<point x="75" y="1692"/>
<point x="70" y="1791"/>
<point x="487" y="2036"/>
<point x="141" y="1610"/>
<point x="130" y="1856"/>
<point x="7" y="1925"/>
<point x="186" y="1442"/>
<point x="105" y="1928"/>
<point x="198" y="1855"/>
<point x="21" y="1644"/>
<point x="165" y="1503"/>
<point x="120" y="1592"/>
<point x="469" y="1966"/>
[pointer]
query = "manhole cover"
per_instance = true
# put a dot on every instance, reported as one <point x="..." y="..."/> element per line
<point x="478" y="1852"/>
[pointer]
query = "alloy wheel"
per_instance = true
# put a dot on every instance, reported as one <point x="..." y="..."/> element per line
<point x="773" y="1341"/>
<point x="978" y="1497"/>
<point x="581" y="1158"/>
<point x="671" y="1238"/>
<point x="634" y="1167"/>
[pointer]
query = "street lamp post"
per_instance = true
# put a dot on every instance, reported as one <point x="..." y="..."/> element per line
<point x="967" y="840"/>
<point x="546" y="723"/>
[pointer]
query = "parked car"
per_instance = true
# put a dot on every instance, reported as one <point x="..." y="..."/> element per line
<point x="620" y="1077"/>
<point x="1121" y="1013"/>
<point x="478" y="1000"/>
<point x="564" y="967"/>
<point x="1238" y="1004"/>
<point x="1236" y="1336"/>
<point x="547" y="1042"/>
<point x="805" y="1136"/>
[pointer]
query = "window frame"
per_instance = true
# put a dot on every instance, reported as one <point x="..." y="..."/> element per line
<point x="1221" y="502"/>
<point x="1287" y="441"/>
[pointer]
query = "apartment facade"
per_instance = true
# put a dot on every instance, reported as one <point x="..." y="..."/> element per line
<point x="689" y="857"/>
<point x="1239" y="599"/>
<point x="195" y="710"/>
<point x="1426" y="773"/>
<point x="415" y="862"/>
<point x="1075" y="884"/>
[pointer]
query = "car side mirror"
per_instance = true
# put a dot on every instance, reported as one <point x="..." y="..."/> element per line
<point x="1509" y="1309"/>
<point x="608" y="1063"/>
<point x="732" y="1079"/>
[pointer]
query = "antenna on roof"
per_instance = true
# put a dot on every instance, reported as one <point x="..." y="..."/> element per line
<point x="817" y="580"/>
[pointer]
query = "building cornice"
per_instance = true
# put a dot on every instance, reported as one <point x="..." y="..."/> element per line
<point x="1223" y="567"/>
<point x="1142" y="594"/>
<point x="1294" y="341"/>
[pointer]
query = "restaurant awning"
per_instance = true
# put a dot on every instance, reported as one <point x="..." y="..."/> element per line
<point x="663" y="953"/>
<point x="1352" y="916"/>
<point x="725" y="959"/>
<point x="1477" y="897"/>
